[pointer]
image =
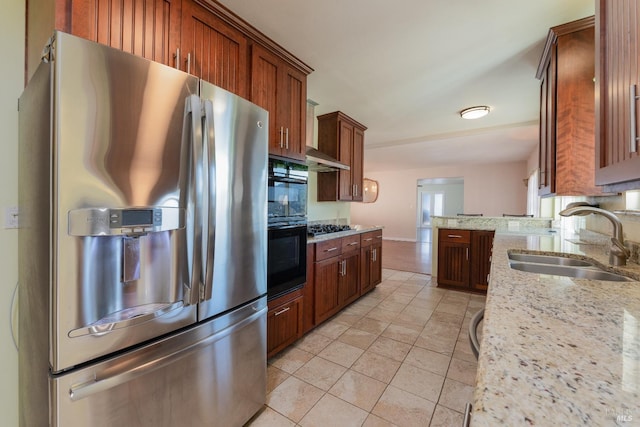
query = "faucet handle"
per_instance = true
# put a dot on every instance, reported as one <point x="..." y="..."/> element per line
<point x="621" y="246"/>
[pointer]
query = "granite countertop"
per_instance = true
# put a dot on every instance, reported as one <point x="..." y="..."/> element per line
<point x="557" y="350"/>
<point x="355" y="229"/>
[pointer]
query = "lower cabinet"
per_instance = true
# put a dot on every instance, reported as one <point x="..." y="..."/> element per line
<point x="464" y="258"/>
<point x="371" y="260"/>
<point x="284" y="321"/>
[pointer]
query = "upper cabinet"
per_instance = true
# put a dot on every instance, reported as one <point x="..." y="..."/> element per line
<point x="341" y="137"/>
<point x="212" y="50"/>
<point x="281" y="89"/>
<point x="617" y="80"/>
<point x="200" y="37"/>
<point x="567" y="111"/>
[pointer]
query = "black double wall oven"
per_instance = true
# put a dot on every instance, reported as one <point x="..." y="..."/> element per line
<point x="287" y="214"/>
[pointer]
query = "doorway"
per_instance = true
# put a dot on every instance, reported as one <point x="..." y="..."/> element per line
<point x="437" y="197"/>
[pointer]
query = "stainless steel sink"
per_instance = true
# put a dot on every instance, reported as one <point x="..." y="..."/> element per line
<point x="550" y="259"/>
<point x="591" y="273"/>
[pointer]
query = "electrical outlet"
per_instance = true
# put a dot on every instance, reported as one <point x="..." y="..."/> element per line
<point x="11" y="217"/>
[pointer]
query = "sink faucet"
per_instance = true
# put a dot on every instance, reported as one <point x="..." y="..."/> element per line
<point x="619" y="253"/>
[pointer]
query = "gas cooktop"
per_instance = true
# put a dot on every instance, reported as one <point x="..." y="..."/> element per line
<point x="318" y="229"/>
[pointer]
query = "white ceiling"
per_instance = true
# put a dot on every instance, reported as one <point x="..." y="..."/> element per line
<point x="406" y="68"/>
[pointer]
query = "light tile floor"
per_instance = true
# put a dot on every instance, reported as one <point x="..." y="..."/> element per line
<point x="398" y="356"/>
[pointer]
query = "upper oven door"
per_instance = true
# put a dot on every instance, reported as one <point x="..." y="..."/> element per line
<point x="287" y="259"/>
<point x="287" y="195"/>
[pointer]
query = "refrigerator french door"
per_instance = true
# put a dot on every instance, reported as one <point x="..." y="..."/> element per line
<point x="142" y="254"/>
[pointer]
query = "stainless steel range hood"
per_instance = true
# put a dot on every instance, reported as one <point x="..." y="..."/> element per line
<point x="317" y="161"/>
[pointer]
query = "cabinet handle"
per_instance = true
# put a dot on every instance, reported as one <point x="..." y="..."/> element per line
<point x="284" y="310"/>
<point x="467" y="254"/>
<point x="189" y="63"/>
<point x="379" y="237"/>
<point x="281" y="136"/>
<point x="369" y="239"/>
<point x="375" y="255"/>
<point x="633" y="100"/>
<point x="454" y="236"/>
<point x="176" y="58"/>
<point x="344" y="268"/>
<point x="331" y="249"/>
<point x="286" y="144"/>
<point x="466" y="422"/>
<point x="356" y="189"/>
<point x="352" y="244"/>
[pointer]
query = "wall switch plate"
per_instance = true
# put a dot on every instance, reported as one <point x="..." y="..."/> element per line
<point x="11" y="217"/>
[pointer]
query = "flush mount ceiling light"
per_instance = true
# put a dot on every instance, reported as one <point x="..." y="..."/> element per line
<point x="475" y="112"/>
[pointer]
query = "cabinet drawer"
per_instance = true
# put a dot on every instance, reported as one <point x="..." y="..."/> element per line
<point x="370" y="237"/>
<point x="350" y="243"/>
<point x="328" y="249"/>
<point x="454" y="235"/>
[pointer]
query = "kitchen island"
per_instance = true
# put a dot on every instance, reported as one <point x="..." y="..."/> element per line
<point x="557" y="350"/>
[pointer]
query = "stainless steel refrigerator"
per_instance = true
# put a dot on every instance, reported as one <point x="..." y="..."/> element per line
<point x="142" y="247"/>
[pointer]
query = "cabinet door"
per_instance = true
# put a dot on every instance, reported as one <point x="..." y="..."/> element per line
<point x="349" y="280"/>
<point x="453" y="264"/>
<point x="147" y="28"/>
<point x="617" y="50"/>
<point x="366" y="258"/>
<point x="481" y="247"/>
<point x="326" y="288"/>
<point x="264" y="92"/>
<point x="357" y="159"/>
<point x="212" y="50"/>
<point x="547" y="153"/>
<point x="284" y="325"/>
<point x="376" y="263"/>
<point x="293" y="111"/>
<point x="345" y="152"/>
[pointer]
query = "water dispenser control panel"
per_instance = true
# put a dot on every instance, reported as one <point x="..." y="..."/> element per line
<point x="125" y="221"/>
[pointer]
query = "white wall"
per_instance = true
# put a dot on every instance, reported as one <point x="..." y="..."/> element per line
<point x="11" y="84"/>
<point x="491" y="189"/>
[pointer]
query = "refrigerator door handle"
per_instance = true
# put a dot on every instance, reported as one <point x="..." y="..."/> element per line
<point x="193" y="111"/>
<point x="210" y="212"/>
<point x="97" y="385"/>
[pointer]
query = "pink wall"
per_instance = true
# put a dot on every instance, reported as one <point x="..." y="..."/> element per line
<point x="491" y="189"/>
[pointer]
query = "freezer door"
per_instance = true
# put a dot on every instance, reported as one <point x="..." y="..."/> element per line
<point x="235" y="228"/>
<point x="211" y="375"/>
<point x="119" y="274"/>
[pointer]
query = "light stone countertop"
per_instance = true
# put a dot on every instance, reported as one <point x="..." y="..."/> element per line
<point x="557" y="350"/>
<point x="355" y="229"/>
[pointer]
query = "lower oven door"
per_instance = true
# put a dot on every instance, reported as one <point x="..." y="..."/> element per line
<point x="287" y="259"/>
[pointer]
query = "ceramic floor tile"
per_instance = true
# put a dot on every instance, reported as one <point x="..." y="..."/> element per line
<point x="403" y="408"/>
<point x="347" y="318"/>
<point x="291" y="359"/>
<point x="429" y="360"/>
<point x="396" y="350"/>
<point x="313" y="342"/>
<point x="392" y="306"/>
<point x="320" y="373"/>
<point x="385" y="316"/>
<point x="403" y="333"/>
<point x="445" y="417"/>
<point x="357" y="338"/>
<point x="341" y="353"/>
<point x="376" y="366"/>
<point x="275" y="377"/>
<point x="462" y="351"/>
<point x="463" y="371"/>
<point x="455" y="395"/>
<point x="331" y="411"/>
<point x="294" y="398"/>
<point x="439" y="344"/>
<point x="418" y="381"/>
<point x="270" y="418"/>
<point x="441" y="316"/>
<point x="360" y="310"/>
<point x="399" y="298"/>
<point x="371" y="325"/>
<point x="358" y="389"/>
<point x="451" y="308"/>
<point x="376" y="421"/>
<point x="331" y="329"/>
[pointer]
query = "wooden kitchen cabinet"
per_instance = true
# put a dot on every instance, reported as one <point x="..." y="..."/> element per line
<point x="280" y="89"/>
<point x="371" y="260"/>
<point x="567" y="111"/>
<point x="617" y="77"/>
<point x="284" y="321"/>
<point x="212" y="50"/>
<point x="464" y="258"/>
<point x="341" y="137"/>
<point x="481" y="254"/>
